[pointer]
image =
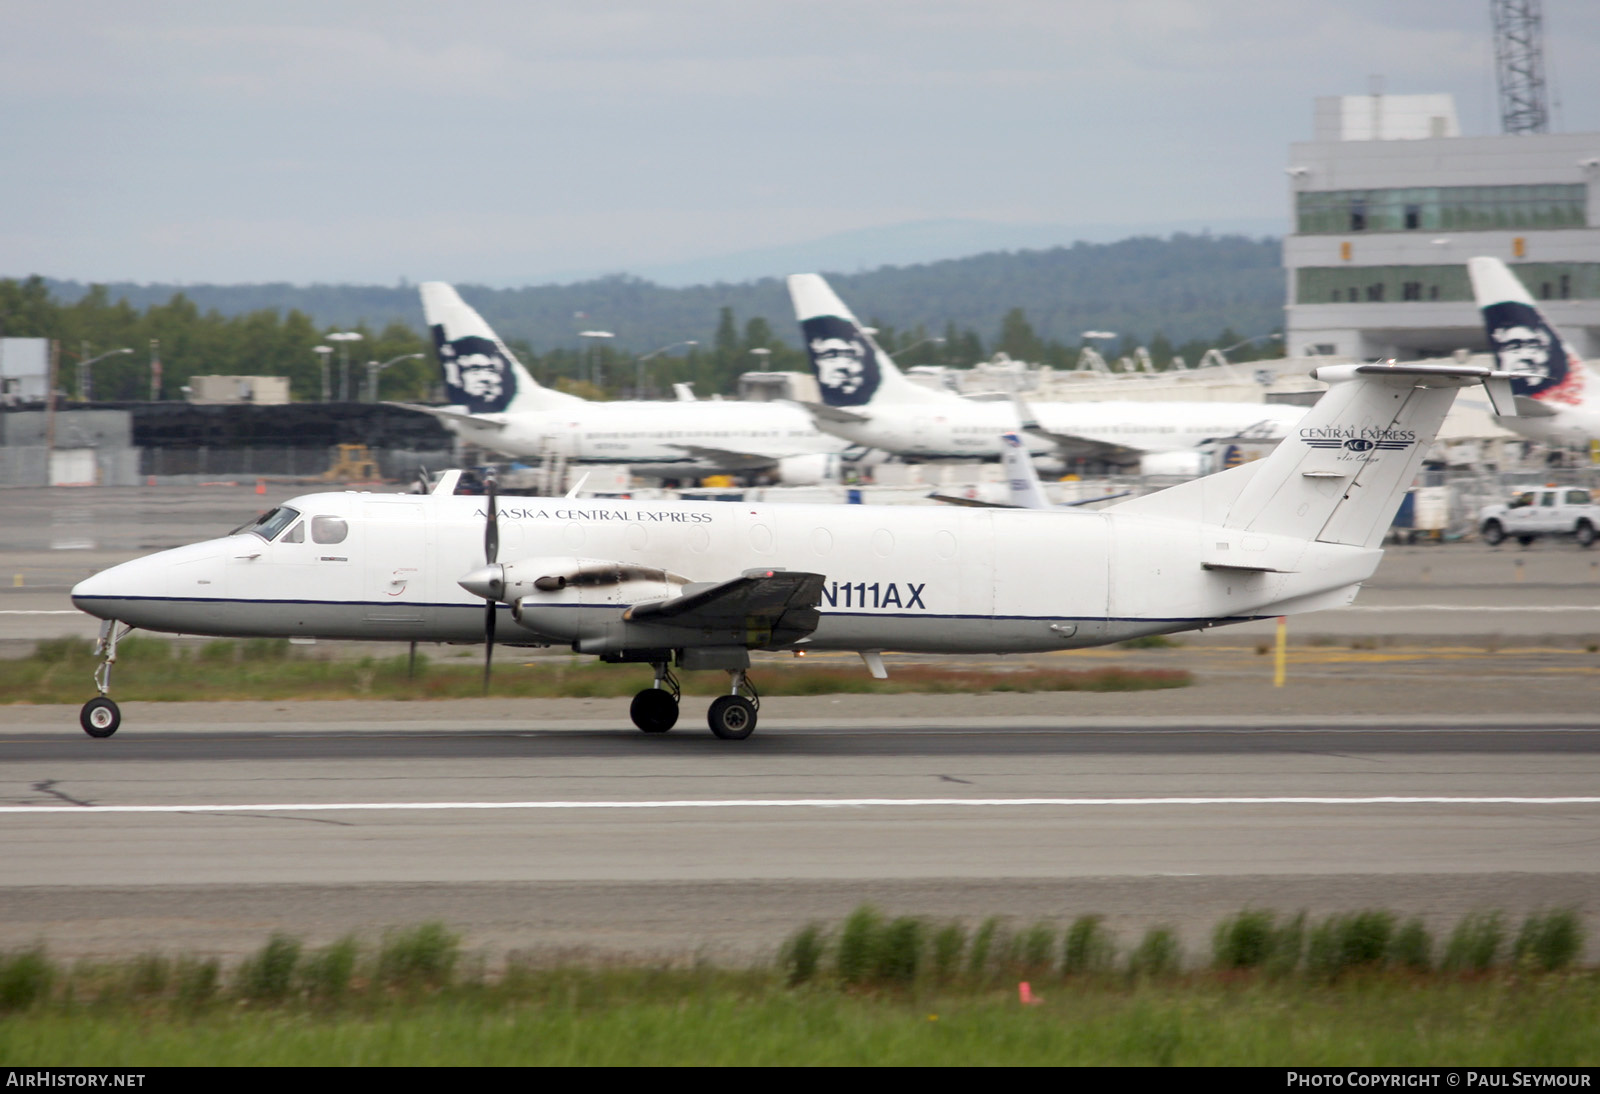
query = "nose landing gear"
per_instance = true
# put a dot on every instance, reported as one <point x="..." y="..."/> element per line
<point x="100" y="717"/>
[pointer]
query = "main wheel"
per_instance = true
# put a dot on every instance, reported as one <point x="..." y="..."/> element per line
<point x="732" y="717"/>
<point x="100" y="717"/>
<point x="1585" y="534"/>
<point x="1493" y="534"/>
<point x="654" y="710"/>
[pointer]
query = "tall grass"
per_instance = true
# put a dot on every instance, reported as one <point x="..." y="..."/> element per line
<point x="153" y="669"/>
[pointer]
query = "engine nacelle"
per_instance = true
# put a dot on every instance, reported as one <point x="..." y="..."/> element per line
<point x="566" y="597"/>
<point x="810" y="470"/>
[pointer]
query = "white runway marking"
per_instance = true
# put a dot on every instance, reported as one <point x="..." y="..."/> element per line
<point x="778" y="803"/>
<point x="1470" y="608"/>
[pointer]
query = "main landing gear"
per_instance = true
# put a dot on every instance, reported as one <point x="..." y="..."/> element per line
<point x="655" y="709"/>
<point x="732" y="717"/>
<point x="100" y="717"/>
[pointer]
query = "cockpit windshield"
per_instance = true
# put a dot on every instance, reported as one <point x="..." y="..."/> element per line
<point x="270" y="523"/>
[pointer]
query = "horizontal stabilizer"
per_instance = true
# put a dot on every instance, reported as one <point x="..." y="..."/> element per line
<point x="448" y="414"/>
<point x="826" y="413"/>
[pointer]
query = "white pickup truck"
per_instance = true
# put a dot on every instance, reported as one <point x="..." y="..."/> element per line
<point x="1542" y="511"/>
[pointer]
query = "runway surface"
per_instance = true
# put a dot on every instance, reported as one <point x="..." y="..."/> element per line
<point x="581" y="837"/>
<point x="1436" y="750"/>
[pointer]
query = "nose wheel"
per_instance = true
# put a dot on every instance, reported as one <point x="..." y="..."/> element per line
<point x="655" y="709"/>
<point x="100" y="717"/>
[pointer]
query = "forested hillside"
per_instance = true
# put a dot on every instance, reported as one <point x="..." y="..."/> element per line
<point x="1185" y="287"/>
<point x="1177" y="295"/>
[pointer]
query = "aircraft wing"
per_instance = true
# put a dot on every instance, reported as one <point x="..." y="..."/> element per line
<point x="726" y="458"/>
<point x="1073" y="446"/>
<point x="450" y="414"/>
<point x="757" y="608"/>
<point x="974" y="503"/>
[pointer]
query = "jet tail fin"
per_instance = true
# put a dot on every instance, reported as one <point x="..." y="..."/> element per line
<point x="480" y="373"/>
<point x="851" y="370"/>
<point x="1340" y="477"/>
<point x="1542" y="366"/>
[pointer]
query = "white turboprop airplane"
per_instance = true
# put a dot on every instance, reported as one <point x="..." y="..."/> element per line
<point x="497" y="405"/>
<point x="698" y="585"/>
<point x="1558" y="396"/>
<point x="868" y="400"/>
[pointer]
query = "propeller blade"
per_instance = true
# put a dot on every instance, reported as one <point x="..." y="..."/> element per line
<point x="488" y="648"/>
<point x="491" y="552"/>
<point x="491" y="529"/>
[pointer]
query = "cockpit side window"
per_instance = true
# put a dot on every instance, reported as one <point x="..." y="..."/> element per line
<point x="270" y="523"/>
<point x="328" y="529"/>
<point x="297" y="534"/>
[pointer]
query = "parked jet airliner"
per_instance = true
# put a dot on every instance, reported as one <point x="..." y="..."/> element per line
<point x="868" y="400"/>
<point x="497" y="405"/>
<point x="698" y="585"/>
<point x="1558" y="396"/>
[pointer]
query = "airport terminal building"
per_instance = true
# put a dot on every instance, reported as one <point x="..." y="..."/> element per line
<point x="1389" y="201"/>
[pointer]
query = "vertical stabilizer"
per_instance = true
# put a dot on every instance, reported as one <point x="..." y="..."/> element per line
<point x="1341" y="473"/>
<point x="1022" y="478"/>
<point x="1523" y="341"/>
<point x="851" y="370"/>
<point x="480" y="374"/>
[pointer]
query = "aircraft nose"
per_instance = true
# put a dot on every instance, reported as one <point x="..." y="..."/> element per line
<point x="488" y="582"/>
<point x="95" y="594"/>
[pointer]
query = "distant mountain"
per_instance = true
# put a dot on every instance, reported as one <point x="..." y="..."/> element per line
<point x="1185" y="286"/>
<point x="924" y="241"/>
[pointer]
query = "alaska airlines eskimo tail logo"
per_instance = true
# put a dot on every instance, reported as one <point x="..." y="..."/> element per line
<point x="1525" y="344"/>
<point x="1357" y="442"/>
<point x="843" y="359"/>
<point x="476" y="374"/>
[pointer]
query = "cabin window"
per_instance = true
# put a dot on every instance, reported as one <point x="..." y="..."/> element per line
<point x="270" y="523"/>
<point x="1577" y="497"/>
<point x="328" y="529"/>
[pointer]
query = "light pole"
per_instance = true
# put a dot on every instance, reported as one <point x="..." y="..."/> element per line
<point x="594" y="368"/>
<point x="638" y="380"/>
<point x="764" y="355"/>
<point x="1276" y="336"/>
<point x="85" y="378"/>
<point x="344" y="338"/>
<point x="322" y="354"/>
<point x="373" y="368"/>
<point x="902" y="351"/>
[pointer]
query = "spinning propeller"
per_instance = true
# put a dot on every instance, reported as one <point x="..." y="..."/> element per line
<point x="491" y="552"/>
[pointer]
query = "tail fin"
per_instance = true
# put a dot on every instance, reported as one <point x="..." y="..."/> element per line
<point x="1022" y="480"/>
<point x="851" y="370"/>
<point x="1339" y="477"/>
<point x="1522" y="339"/>
<point x="479" y="372"/>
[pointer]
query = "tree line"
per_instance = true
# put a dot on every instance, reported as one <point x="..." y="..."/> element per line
<point x="1178" y="297"/>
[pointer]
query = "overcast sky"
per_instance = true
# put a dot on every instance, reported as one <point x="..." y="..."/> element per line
<point x="514" y="142"/>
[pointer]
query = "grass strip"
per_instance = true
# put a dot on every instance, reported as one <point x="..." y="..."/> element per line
<point x="155" y="670"/>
